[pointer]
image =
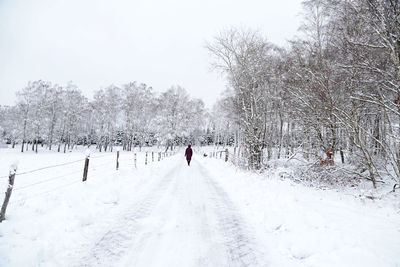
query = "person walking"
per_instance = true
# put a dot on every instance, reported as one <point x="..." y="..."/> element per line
<point x="188" y="154"/>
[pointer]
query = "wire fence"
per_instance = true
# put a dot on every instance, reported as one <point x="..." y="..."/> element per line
<point x="47" y="167"/>
<point x="46" y="180"/>
<point x="103" y="164"/>
<point x="240" y="157"/>
<point x="44" y="192"/>
<point x="236" y="157"/>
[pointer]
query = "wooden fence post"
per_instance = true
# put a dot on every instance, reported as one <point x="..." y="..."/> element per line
<point x="152" y="156"/>
<point x="145" y="162"/>
<point x="135" y="161"/>
<point x="159" y="156"/>
<point x="117" y="159"/>
<point x="342" y="156"/>
<point x="86" y="168"/>
<point x="226" y="154"/>
<point x="11" y="179"/>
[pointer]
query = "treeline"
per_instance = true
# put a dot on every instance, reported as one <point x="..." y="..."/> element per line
<point x="61" y="117"/>
<point x="336" y="89"/>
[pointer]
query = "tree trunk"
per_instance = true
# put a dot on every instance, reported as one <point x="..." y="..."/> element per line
<point x="23" y="137"/>
<point x="288" y="140"/>
<point x="51" y="133"/>
<point x="280" y="137"/>
<point x="37" y="143"/>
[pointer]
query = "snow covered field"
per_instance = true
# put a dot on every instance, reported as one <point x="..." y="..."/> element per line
<point x="169" y="214"/>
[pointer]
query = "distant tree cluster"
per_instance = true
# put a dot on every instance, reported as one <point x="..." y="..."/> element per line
<point x="336" y="89"/>
<point x="61" y="117"/>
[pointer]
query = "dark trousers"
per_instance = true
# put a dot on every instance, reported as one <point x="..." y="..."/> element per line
<point x="188" y="160"/>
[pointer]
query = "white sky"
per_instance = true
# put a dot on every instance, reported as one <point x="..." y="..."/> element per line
<point x="95" y="43"/>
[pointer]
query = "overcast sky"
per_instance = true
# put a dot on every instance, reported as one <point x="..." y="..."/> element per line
<point x="95" y="43"/>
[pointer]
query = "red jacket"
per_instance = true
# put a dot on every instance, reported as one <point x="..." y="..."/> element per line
<point x="188" y="152"/>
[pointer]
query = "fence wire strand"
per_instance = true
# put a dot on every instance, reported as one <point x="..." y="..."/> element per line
<point x="48" y="167"/>
<point x="46" y="180"/>
<point x="45" y="192"/>
<point x="54" y="166"/>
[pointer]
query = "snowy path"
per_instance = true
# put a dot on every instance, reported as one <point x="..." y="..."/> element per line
<point x="185" y="219"/>
<point x="169" y="214"/>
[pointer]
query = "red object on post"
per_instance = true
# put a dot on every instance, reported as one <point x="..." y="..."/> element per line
<point x="328" y="152"/>
<point x="328" y="160"/>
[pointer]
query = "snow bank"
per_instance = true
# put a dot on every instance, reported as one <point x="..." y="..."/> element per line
<point x="52" y="214"/>
<point x="302" y="226"/>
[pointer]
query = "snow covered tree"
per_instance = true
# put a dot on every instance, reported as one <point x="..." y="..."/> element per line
<point x="312" y="80"/>
<point x="53" y="111"/>
<point x="138" y="111"/>
<point x="178" y="117"/>
<point x="74" y="105"/>
<point x="24" y="98"/>
<point x="246" y="58"/>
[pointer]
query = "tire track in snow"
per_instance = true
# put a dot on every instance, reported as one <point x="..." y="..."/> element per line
<point x="187" y="230"/>
<point x="239" y="242"/>
<point x="116" y="242"/>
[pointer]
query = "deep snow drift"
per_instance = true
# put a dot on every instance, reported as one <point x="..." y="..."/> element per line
<point x="168" y="214"/>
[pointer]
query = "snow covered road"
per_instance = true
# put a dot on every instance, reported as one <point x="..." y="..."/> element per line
<point x="169" y="214"/>
<point x="186" y="219"/>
